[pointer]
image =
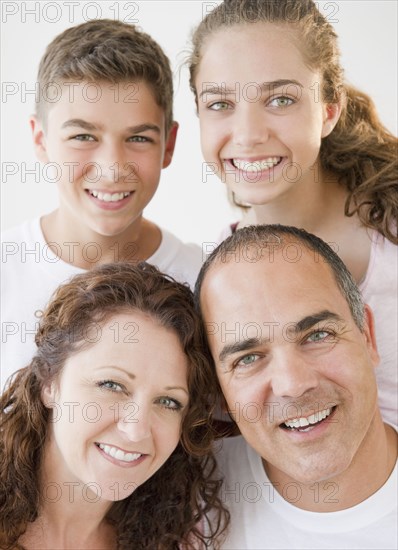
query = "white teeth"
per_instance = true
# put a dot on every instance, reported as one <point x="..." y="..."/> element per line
<point x="256" y="166"/>
<point x="118" y="454"/>
<point x="306" y="421"/>
<point x="108" y="197"/>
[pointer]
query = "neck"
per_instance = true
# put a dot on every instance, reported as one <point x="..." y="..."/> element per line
<point x="347" y="488"/>
<point x="314" y="204"/>
<point x="85" y="248"/>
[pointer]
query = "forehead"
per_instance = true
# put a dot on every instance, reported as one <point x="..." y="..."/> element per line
<point x="117" y="102"/>
<point x="135" y="341"/>
<point x="280" y="287"/>
<point x="260" y="50"/>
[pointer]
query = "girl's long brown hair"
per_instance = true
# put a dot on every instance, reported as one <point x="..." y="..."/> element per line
<point x="360" y="150"/>
<point x="172" y="509"/>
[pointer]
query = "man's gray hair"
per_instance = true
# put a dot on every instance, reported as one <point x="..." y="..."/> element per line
<point x="255" y="238"/>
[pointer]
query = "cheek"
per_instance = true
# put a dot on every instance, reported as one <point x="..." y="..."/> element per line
<point x="244" y="400"/>
<point x="168" y="432"/>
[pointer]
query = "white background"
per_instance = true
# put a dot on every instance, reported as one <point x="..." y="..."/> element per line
<point x="194" y="209"/>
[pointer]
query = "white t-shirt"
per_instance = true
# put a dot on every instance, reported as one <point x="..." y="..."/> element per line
<point x="262" y="519"/>
<point x="30" y="272"/>
<point x="380" y="290"/>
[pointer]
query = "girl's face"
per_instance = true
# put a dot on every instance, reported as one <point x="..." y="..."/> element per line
<point x="117" y="408"/>
<point x="260" y="110"/>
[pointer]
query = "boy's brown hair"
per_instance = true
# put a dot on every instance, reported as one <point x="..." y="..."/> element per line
<point x="104" y="50"/>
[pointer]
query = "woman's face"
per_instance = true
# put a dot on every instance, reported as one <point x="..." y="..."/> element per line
<point x="260" y="110"/>
<point x="117" y="408"/>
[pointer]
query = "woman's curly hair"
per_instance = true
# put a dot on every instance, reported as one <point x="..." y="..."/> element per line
<point x="171" y="509"/>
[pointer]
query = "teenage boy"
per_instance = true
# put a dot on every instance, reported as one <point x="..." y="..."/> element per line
<point x="294" y="351"/>
<point x="104" y="122"/>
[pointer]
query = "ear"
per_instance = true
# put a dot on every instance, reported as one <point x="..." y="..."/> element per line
<point x="331" y="115"/>
<point x="48" y="395"/>
<point x="39" y="140"/>
<point x="370" y="335"/>
<point x="170" y="145"/>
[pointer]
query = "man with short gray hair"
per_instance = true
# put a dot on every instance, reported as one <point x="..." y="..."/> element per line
<point x="294" y="351"/>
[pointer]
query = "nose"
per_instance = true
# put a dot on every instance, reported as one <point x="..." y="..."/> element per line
<point x="292" y="376"/>
<point x="134" y="421"/>
<point x="111" y="164"/>
<point x="250" y="125"/>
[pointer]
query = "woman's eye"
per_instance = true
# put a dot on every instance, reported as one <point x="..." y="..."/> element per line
<point x="110" y="385"/>
<point x="83" y="137"/>
<point x="219" y="106"/>
<point x="169" y="403"/>
<point x="281" y="101"/>
<point x="247" y="360"/>
<point x="318" y="336"/>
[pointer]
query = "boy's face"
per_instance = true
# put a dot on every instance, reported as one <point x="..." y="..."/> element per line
<point x="107" y="145"/>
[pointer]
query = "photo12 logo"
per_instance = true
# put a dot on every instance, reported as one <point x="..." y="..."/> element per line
<point x="71" y="12"/>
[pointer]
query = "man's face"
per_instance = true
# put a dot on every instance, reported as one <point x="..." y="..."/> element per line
<point x="296" y="371"/>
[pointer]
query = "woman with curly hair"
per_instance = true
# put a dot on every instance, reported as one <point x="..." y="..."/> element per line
<point x="296" y="144"/>
<point x="105" y="440"/>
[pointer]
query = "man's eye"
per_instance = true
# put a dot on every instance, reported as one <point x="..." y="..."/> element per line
<point x="281" y="101"/>
<point x="247" y="360"/>
<point x="219" y="106"/>
<point x="318" y="336"/>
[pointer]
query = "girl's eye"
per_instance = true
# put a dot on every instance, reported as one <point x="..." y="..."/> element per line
<point x="83" y="137"/>
<point x="247" y="360"/>
<point x="110" y="385"/>
<point x="169" y="403"/>
<point x="318" y="336"/>
<point x="219" y="106"/>
<point x="281" y="101"/>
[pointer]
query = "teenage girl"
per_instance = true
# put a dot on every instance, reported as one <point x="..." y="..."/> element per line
<point x="297" y="145"/>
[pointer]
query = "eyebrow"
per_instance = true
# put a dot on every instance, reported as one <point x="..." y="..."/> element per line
<point x="265" y="86"/>
<point x="80" y="123"/>
<point x="294" y="329"/>
<point x="114" y="367"/>
<point x="168" y="388"/>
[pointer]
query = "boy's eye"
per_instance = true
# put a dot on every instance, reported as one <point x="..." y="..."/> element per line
<point x="170" y="403"/>
<point x="219" y="106"/>
<point x="139" y="139"/>
<point x="247" y="360"/>
<point x="84" y="137"/>
<point x="110" y="385"/>
<point x="281" y="101"/>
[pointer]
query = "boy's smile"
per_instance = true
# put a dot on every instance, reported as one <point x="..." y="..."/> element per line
<point x="108" y="152"/>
